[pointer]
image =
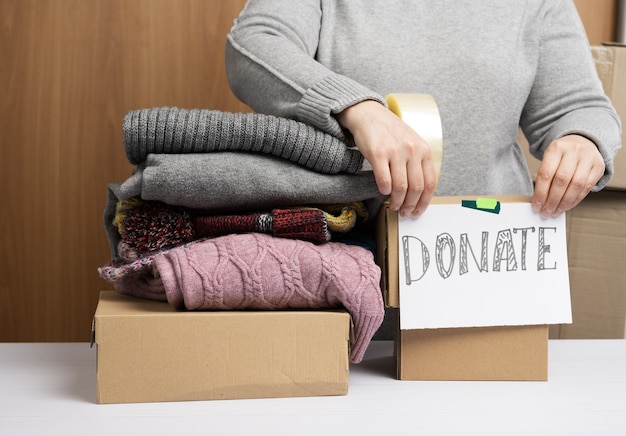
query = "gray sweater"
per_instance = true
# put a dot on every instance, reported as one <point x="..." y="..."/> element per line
<point x="170" y="130"/>
<point x="492" y="66"/>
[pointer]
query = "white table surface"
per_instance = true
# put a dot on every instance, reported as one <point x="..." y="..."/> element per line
<point x="50" y="389"/>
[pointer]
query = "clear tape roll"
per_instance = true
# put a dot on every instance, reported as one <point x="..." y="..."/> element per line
<point x="420" y="112"/>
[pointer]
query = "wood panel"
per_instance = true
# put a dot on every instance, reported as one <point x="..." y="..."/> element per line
<point x="599" y="18"/>
<point x="69" y="72"/>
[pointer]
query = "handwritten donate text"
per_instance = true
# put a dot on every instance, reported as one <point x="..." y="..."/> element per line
<point x="462" y="267"/>
<point x="510" y="252"/>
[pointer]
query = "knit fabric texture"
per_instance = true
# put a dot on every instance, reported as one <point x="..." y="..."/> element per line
<point x="131" y="264"/>
<point x="146" y="227"/>
<point x="342" y="218"/>
<point x="170" y="130"/>
<point x="262" y="272"/>
<point x="119" y="269"/>
<point x="308" y="225"/>
<point x="231" y="182"/>
<point x="151" y="226"/>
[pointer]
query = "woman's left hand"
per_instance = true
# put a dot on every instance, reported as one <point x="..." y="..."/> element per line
<point x="571" y="166"/>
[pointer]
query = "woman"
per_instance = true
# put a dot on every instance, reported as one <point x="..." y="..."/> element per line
<point x="492" y="67"/>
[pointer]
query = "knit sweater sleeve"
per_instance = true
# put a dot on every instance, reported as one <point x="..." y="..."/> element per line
<point x="271" y="65"/>
<point x="567" y="95"/>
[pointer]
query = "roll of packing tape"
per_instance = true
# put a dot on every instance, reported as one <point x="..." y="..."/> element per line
<point x="420" y="112"/>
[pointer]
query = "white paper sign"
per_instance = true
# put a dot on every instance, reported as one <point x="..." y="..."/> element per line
<point x="462" y="267"/>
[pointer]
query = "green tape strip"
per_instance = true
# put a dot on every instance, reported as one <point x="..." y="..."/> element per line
<point x="487" y="203"/>
<point x="483" y="204"/>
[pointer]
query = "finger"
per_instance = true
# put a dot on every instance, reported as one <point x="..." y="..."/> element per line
<point x="415" y="179"/>
<point x="399" y="184"/>
<point x="584" y="179"/>
<point x="545" y="174"/>
<point x="382" y="175"/>
<point x="559" y="185"/>
<point x="574" y="192"/>
<point x="430" y="184"/>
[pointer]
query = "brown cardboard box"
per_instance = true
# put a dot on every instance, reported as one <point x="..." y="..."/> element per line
<point x="610" y="60"/>
<point x="476" y="353"/>
<point x="149" y="352"/>
<point x="387" y="255"/>
<point x="596" y="241"/>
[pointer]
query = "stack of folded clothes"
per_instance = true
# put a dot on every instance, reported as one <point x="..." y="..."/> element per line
<point x="234" y="211"/>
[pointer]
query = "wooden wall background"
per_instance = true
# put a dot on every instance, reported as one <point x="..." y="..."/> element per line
<point x="69" y="72"/>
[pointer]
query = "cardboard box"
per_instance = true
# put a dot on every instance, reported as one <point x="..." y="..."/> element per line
<point x="149" y="352"/>
<point x="474" y="353"/>
<point x="517" y="353"/>
<point x="596" y="242"/>
<point x="387" y="255"/>
<point x="596" y="245"/>
<point x="610" y="60"/>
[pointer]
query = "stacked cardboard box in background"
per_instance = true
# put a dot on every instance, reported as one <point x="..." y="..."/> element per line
<point x="596" y="230"/>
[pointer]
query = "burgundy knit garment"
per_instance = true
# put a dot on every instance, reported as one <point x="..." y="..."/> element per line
<point x="259" y="271"/>
<point x="154" y="226"/>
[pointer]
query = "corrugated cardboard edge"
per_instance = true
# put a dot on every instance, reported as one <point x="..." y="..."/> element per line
<point x="386" y="245"/>
<point x="596" y="241"/>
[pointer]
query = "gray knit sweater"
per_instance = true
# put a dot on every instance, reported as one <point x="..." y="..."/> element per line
<point x="170" y="130"/>
<point x="491" y="65"/>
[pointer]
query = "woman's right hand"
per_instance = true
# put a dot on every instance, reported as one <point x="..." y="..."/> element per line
<point x="400" y="158"/>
